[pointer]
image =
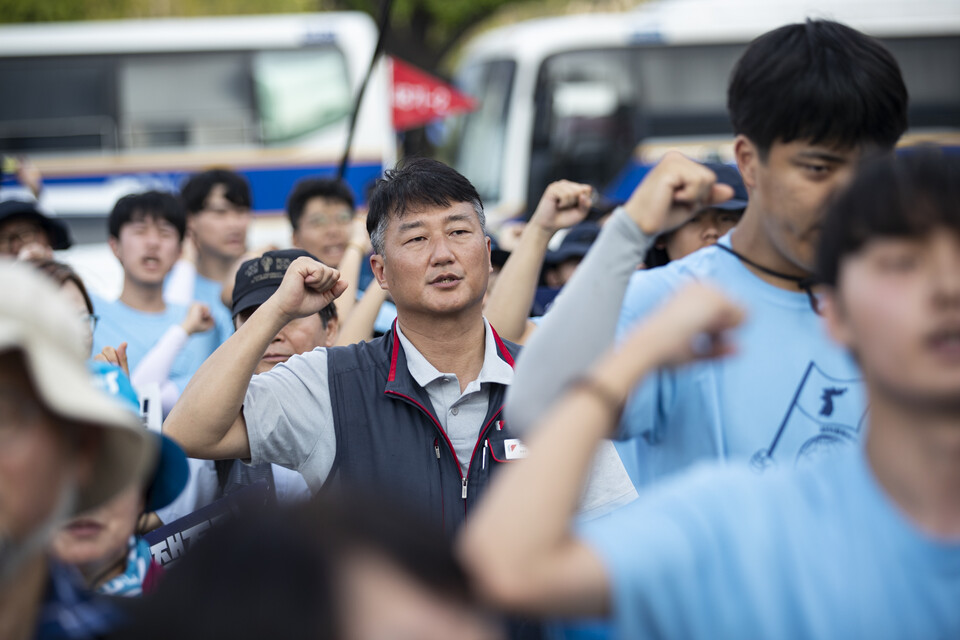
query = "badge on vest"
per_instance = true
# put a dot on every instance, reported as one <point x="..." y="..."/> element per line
<point x="514" y="449"/>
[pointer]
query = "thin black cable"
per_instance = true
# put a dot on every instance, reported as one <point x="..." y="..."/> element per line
<point x="383" y="25"/>
<point x="804" y="283"/>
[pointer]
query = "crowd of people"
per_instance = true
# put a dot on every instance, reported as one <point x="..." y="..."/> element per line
<point x="735" y="411"/>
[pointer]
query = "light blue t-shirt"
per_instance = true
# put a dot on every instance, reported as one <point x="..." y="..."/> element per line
<point x="789" y="391"/>
<point x="208" y="292"/>
<point x="141" y="331"/>
<point x="816" y="551"/>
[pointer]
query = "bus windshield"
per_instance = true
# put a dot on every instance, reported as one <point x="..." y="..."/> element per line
<point x="163" y="101"/>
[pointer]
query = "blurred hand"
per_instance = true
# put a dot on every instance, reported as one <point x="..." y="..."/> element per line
<point x="307" y="287"/>
<point x="509" y="236"/>
<point x="688" y="326"/>
<point x="358" y="233"/>
<point x="672" y="193"/>
<point x="562" y="205"/>
<point x="198" y="320"/>
<point x="35" y="251"/>
<point x="116" y="356"/>
<point x="29" y="176"/>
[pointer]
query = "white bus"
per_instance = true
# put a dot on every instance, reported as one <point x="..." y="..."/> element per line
<point x="598" y="97"/>
<point x="107" y="108"/>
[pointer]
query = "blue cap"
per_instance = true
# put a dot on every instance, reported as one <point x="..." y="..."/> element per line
<point x="730" y="176"/>
<point x="172" y="472"/>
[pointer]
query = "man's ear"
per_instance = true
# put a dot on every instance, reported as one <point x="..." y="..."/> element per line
<point x="747" y="156"/>
<point x="333" y="328"/>
<point x="191" y="223"/>
<point x="115" y="247"/>
<point x="379" y="268"/>
<point x="835" y="318"/>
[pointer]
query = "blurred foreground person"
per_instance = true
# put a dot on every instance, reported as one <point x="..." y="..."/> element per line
<point x="103" y="543"/>
<point x="64" y="448"/>
<point x="861" y="543"/>
<point x="72" y="287"/>
<point x="359" y="570"/>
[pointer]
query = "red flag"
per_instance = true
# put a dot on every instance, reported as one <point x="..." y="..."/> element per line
<point x="419" y="97"/>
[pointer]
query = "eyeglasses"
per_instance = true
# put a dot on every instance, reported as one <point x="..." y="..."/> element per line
<point x="318" y="221"/>
<point x="90" y="319"/>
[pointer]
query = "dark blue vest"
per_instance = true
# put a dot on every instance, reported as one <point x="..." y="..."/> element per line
<point x="390" y="442"/>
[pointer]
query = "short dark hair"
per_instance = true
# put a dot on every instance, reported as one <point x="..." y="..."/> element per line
<point x="198" y="186"/>
<point x="309" y="188"/>
<point x="904" y="196"/>
<point x="156" y="205"/>
<point x="416" y="184"/>
<point x="819" y="81"/>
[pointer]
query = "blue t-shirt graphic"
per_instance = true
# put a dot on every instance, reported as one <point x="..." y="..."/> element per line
<point x="787" y="394"/>
<point x="817" y="551"/>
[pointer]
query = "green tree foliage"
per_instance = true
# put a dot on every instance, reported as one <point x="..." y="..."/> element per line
<point x="424" y="31"/>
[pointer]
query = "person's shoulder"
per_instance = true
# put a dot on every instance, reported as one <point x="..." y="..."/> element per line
<point x="360" y="354"/>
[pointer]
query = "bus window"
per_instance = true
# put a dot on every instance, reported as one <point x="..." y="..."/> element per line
<point x="482" y="134"/>
<point x="586" y="122"/>
<point x="685" y="88"/>
<point x="187" y="100"/>
<point x="299" y="92"/>
<point x="57" y="103"/>
<point x="929" y="67"/>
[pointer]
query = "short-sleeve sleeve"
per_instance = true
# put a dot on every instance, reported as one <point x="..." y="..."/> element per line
<point x="290" y="418"/>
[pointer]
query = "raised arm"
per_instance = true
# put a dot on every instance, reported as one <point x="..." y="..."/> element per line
<point x="207" y="420"/>
<point x="155" y="366"/>
<point x="583" y="320"/>
<point x="563" y="205"/>
<point x="356" y="252"/>
<point x="544" y="570"/>
<point x="359" y="326"/>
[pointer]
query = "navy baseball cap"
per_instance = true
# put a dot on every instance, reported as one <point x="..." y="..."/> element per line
<point x="258" y="278"/>
<point x="729" y="176"/>
<point x="575" y="244"/>
<point x="57" y="230"/>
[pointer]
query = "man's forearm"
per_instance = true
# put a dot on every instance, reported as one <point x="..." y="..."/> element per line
<point x="581" y="324"/>
<point x="214" y="396"/>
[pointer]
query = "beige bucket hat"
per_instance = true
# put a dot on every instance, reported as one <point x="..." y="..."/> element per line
<point x="36" y="321"/>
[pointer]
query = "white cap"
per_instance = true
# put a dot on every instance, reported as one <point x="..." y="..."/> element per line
<point x="36" y="320"/>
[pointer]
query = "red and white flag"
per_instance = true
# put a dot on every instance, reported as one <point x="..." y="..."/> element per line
<point x="419" y="97"/>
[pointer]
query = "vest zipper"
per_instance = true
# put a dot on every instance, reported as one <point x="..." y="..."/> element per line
<point x="463" y="494"/>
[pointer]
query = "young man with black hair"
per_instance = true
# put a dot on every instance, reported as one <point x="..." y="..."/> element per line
<point x="325" y="224"/>
<point x="807" y="102"/>
<point x="862" y="543"/>
<point x="217" y="203"/>
<point x="146" y="230"/>
<point x="321" y="211"/>
<point x="414" y="414"/>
